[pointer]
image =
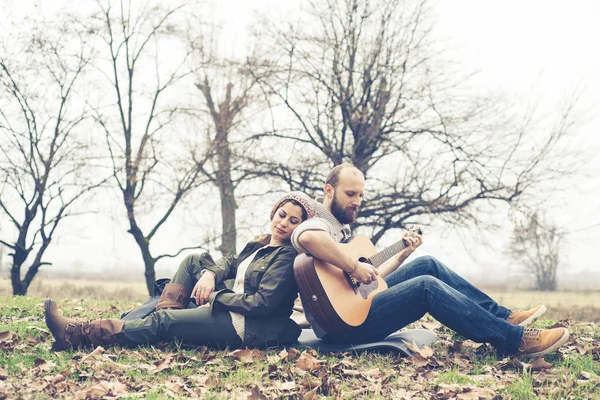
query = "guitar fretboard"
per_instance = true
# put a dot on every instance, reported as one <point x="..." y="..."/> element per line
<point x="387" y="253"/>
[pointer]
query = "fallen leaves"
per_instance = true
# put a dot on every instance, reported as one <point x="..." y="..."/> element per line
<point x="7" y="340"/>
<point x="247" y="355"/>
<point x="450" y="369"/>
<point x="308" y="362"/>
<point x="464" y="392"/>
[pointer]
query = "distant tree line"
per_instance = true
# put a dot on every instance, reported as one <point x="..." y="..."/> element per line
<point x="135" y="97"/>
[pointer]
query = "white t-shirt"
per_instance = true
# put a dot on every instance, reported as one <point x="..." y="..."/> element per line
<point x="238" y="287"/>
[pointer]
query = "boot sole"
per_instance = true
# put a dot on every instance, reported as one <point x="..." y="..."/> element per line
<point x="50" y="325"/>
<point x="550" y="349"/>
<point x="534" y="317"/>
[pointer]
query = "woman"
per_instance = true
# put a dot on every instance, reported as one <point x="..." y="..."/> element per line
<point x="254" y="313"/>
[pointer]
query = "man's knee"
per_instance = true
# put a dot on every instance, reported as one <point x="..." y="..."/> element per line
<point x="431" y="264"/>
<point x="427" y="281"/>
<point x="430" y="287"/>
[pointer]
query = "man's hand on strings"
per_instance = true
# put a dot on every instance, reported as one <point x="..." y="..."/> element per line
<point x="412" y="241"/>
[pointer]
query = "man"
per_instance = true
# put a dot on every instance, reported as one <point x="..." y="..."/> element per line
<point x="422" y="286"/>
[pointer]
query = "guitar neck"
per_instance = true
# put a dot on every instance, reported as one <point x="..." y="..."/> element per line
<point x="387" y="253"/>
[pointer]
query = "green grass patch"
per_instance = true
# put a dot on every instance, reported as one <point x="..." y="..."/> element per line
<point x="454" y="375"/>
<point x="520" y="388"/>
<point x="192" y="371"/>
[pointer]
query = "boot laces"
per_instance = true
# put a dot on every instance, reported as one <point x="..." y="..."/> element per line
<point x="531" y="334"/>
<point x="515" y="312"/>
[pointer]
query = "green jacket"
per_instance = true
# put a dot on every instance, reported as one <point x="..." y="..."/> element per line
<point x="269" y="293"/>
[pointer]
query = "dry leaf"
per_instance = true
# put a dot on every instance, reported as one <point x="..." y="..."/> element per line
<point x="205" y="381"/>
<point x="309" y="382"/>
<point x="583" y="350"/>
<point x="586" y="375"/>
<point x="351" y="372"/>
<point x="285" y="386"/>
<point x="175" y="387"/>
<point x="307" y="362"/>
<point x="373" y="373"/>
<point x="245" y="355"/>
<point x="540" y="364"/>
<point x="54" y="379"/>
<point x="311" y="395"/>
<point x="283" y="354"/>
<point x="6" y="336"/>
<point x="98" y="391"/>
<point x="425" y="352"/>
<point x="94" y="355"/>
<point x="161" y="365"/>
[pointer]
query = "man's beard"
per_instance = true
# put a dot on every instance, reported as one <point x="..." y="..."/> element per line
<point x="344" y="215"/>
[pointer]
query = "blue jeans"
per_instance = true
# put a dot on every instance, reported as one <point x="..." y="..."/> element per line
<point x="425" y="285"/>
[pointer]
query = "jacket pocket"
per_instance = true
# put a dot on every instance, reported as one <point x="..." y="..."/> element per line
<point x="254" y="278"/>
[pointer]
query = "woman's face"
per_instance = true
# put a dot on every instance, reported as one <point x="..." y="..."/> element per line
<point x="287" y="217"/>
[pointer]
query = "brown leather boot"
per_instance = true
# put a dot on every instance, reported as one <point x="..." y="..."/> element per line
<point x="526" y="317"/>
<point x="536" y="343"/>
<point x="175" y="296"/>
<point x="72" y="334"/>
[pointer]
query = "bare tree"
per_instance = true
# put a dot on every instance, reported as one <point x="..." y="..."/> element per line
<point x="1" y="259"/>
<point x="363" y="83"/>
<point x="145" y="67"/>
<point x="43" y="167"/>
<point x="536" y="244"/>
<point x="228" y="89"/>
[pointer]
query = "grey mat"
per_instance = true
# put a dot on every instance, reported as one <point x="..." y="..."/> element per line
<point x="394" y="342"/>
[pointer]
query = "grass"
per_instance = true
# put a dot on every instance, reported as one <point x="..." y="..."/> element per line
<point x="520" y="388"/>
<point x="29" y="369"/>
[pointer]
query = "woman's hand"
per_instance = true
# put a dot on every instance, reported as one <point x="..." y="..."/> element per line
<point x="412" y="242"/>
<point x="204" y="287"/>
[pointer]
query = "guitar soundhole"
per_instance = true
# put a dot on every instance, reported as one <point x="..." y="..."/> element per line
<point x="366" y="289"/>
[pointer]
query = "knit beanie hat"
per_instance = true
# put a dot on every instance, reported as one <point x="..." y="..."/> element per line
<point x="304" y="200"/>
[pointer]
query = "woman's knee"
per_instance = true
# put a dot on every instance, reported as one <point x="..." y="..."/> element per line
<point x="192" y="262"/>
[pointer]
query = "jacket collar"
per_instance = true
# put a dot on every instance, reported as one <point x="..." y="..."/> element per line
<point x="266" y="238"/>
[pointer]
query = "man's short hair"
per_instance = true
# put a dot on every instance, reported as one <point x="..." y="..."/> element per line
<point x="333" y="178"/>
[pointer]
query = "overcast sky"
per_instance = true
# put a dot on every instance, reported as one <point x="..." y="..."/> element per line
<point x="540" y="51"/>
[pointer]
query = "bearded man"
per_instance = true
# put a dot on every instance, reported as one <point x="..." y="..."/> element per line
<point x="424" y="285"/>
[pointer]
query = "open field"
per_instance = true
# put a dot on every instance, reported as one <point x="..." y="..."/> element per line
<point x="71" y="288"/>
<point x="581" y="306"/>
<point x="453" y="368"/>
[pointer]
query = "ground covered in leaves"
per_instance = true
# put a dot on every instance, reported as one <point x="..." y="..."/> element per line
<point x="453" y="368"/>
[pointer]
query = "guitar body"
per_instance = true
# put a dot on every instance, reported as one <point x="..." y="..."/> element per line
<point x="329" y="295"/>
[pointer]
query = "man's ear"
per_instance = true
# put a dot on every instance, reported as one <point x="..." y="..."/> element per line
<point x="329" y="191"/>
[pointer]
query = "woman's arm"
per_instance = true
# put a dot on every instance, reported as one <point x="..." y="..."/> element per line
<point x="212" y="275"/>
<point x="276" y="284"/>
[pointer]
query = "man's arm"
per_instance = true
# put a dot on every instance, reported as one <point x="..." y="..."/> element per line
<point x="393" y="263"/>
<point x="320" y="245"/>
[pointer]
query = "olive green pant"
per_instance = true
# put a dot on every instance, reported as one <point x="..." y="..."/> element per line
<point x="193" y="325"/>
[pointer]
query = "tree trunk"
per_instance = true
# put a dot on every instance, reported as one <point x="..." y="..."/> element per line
<point x="19" y="256"/>
<point x="15" y="276"/>
<point x="229" y="228"/>
<point x="226" y="190"/>
<point x="149" y="261"/>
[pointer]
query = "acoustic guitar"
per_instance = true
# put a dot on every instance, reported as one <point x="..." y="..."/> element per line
<point x="335" y="300"/>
